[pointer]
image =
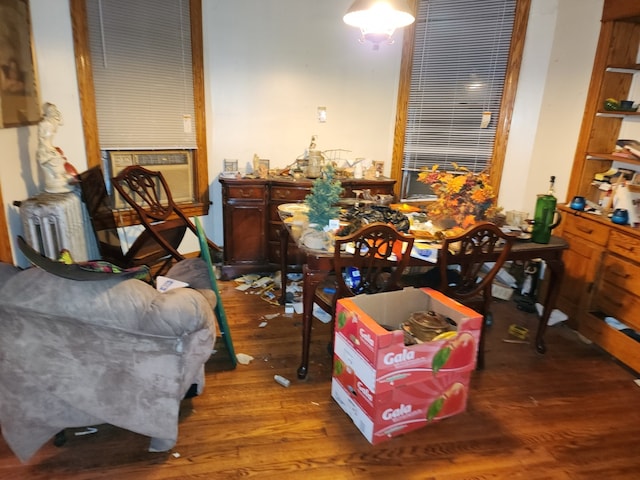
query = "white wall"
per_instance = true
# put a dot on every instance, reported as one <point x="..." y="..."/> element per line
<point x="270" y="63"/>
<point x="270" y="71"/>
<point x="556" y="70"/>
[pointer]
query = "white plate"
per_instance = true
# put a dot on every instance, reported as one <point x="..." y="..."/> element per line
<point x="293" y="208"/>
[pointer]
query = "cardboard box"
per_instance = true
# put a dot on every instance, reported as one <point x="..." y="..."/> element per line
<point x="347" y="360"/>
<point x="420" y="394"/>
<point x="359" y="321"/>
<point x="411" y="407"/>
<point x="501" y="291"/>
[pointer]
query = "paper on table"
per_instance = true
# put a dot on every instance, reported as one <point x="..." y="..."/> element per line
<point x="427" y="253"/>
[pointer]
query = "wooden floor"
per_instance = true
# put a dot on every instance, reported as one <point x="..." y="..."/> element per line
<point x="570" y="414"/>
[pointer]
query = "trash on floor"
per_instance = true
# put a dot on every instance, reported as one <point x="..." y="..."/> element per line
<point x="243" y="358"/>
<point x="285" y="382"/>
<point x="556" y="316"/>
<point x="518" y="331"/>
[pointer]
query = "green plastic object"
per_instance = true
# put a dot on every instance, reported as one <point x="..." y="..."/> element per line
<point x="546" y="216"/>
<point x="219" y="310"/>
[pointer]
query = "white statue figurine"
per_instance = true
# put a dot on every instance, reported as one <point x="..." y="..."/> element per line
<point x="50" y="158"/>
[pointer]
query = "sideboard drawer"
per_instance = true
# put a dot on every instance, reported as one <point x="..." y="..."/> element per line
<point x="622" y="274"/>
<point x="625" y="245"/>
<point x="587" y="229"/>
<point x="246" y="192"/>
<point x="619" y="304"/>
<point x="623" y="347"/>
<point x="289" y="194"/>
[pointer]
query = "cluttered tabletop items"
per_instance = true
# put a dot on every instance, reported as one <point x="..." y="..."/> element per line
<point x="308" y="165"/>
<point x="407" y="218"/>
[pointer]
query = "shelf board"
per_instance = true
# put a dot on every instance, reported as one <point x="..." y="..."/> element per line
<point x="616" y="113"/>
<point x="609" y="156"/>
<point x="631" y="68"/>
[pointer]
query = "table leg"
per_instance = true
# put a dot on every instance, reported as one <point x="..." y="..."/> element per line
<point x="311" y="280"/>
<point x="284" y="241"/>
<point x="556" y="266"/>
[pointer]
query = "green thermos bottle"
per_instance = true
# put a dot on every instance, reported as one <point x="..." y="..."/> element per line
<point x="545" y="219"/>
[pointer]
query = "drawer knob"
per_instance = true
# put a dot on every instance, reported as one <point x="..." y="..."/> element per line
<point x="585" y="229"/>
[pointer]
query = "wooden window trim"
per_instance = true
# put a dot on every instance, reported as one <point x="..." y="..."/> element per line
<point x="506" y="107"/>
<point x="88" y="105"/>
<point x="6" y="254"/>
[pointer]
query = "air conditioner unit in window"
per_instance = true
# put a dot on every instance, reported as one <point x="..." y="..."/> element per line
<point x="176" y="167"/>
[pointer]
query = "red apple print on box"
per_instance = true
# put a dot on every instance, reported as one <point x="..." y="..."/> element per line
<point x="457" y="353"/>
<point x="451" y="402"/>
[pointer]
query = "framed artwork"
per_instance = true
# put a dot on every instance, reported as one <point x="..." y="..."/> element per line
<point x="19" y="101"/>
<point x="230" y="165"/>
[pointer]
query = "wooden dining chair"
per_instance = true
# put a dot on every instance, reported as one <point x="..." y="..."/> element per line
<point x="370" y="260"/>
<point x="149" y="195"/>
<point x="463" y="275"/>
<point x="144" y="250"/>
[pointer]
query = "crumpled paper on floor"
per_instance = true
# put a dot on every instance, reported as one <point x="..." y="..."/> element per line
<point x="243" y="358"/>
<point x="556" y="316"/>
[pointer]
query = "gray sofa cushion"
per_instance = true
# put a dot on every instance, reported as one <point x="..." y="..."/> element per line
<point x="128" y="304"/>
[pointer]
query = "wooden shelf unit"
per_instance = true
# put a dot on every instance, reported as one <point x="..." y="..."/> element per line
<point x="603" y="261"/>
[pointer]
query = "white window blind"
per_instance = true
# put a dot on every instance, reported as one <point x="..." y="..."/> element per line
<point x="459" y="62"/>
<point x="142" y="73"/>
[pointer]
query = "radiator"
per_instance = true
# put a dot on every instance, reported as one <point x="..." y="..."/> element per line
<point x="56" y="221"/>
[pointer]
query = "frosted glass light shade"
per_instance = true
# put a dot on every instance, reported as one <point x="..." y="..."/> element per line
<point x="378" y="19"/>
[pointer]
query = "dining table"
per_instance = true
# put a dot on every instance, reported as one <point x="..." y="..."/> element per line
<point x="317" y="264"/>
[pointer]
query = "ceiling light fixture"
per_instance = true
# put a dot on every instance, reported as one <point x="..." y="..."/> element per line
<point x="378" y="19"/>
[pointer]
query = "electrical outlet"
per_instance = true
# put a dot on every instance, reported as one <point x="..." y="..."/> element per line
<point x="322" y="114"/>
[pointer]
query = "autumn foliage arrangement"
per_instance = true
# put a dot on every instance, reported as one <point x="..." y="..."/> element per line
<point x="463" y="197"/>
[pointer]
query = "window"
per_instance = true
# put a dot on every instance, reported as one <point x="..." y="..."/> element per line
<point x="140" y="76"/>
<point x="460" y="65"/>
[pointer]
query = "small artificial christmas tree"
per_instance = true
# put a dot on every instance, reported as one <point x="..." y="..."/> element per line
<point x="325" y="194"/>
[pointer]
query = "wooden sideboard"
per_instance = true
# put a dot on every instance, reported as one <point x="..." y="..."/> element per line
<point x="602" y="279"/>
<point x="252" y="225"/>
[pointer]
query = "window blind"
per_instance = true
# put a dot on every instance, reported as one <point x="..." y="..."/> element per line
<point x="142" y="73"/>
<point x="461" y="50"/>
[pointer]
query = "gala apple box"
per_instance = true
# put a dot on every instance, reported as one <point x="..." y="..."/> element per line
<point x="360" y="320"/>
<point x="347" y="358"/>
<point x="408" y="408"/>
<point x="436" y="396"/>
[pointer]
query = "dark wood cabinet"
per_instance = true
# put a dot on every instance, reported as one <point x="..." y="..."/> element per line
<point x="245" y="214"/>
<point x="252" y="225"/>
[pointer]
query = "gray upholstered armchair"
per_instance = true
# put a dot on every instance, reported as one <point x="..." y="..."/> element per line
<point x="79" y="353"/>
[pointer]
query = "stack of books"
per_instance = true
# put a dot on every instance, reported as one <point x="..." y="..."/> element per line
<point x="627" y="149"/>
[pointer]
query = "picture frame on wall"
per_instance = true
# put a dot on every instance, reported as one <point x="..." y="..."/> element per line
<point x="19" y="98"/>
